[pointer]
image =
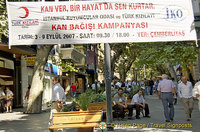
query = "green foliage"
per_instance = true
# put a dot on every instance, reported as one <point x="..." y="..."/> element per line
<point x="3" y="19"/>
<point x="158" y="54"/>
<point x="64" y="66"/>
<point x="129" y="53"/>
<point x="70" y="107"/>
<point x="99" y="98"/>
<point x="85" y="99"/>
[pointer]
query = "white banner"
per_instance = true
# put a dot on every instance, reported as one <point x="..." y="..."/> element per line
<point x="80" y="22"/>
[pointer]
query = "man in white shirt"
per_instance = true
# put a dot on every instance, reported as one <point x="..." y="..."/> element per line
<point x="58" y="97"/>
<point x="119" y="84"/>
<point x="185" y="93"/>
<point x="139" y="102"/>
<point x="196" y="92"/>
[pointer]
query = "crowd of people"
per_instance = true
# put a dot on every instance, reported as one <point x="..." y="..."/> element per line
<point x="167" y="90"/>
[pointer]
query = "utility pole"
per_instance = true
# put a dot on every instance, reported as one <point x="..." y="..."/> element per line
<point x="124" y="76"/>
<point x="136" y="76"/>
<point x="95" y="67"/>
<point x="109" y="117"/>
<point x="144" y="71"/>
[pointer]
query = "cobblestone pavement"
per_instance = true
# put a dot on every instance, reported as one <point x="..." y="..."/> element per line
<point x="19" y="122"/>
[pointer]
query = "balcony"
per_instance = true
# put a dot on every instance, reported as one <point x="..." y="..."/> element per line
<point x="72" y="54"/>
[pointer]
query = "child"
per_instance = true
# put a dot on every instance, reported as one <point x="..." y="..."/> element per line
<point x="9" y="97"/>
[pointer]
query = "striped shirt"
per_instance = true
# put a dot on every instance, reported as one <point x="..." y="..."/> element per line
<point x="185" y="90"/>
<point x="166" y="86"/>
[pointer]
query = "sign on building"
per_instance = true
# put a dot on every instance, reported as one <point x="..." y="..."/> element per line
<point x="83" y="22"/>
<point x="30" y="61"/>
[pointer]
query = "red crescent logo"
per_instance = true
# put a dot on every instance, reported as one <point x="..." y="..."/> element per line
<point x="26" y="10"/>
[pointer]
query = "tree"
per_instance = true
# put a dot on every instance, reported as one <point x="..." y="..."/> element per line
<point x="167" y="55"/>
<point x="117" y="50"/>
<point x="35" y="98"/>
<point x="3" y="19"/>
<point x="128" y="57"/>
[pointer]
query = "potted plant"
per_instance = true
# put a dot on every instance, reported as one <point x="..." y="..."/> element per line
<point x="84" y="100"/>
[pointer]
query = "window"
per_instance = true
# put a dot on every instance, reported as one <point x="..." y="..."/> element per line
<point x="66" y="45"/>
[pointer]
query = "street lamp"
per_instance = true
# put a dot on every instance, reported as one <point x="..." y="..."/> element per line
<point x="135" y="75"/>
<point x="123" y="61"/>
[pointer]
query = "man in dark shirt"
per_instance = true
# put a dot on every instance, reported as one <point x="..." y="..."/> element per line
<point x="121" y="104"/>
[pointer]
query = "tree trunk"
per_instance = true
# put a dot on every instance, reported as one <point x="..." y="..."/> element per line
<point x="161" y="70"/>
<point x="35" y="97"/>
<point x="171" y="71"/>
<point x="113" y="61"/>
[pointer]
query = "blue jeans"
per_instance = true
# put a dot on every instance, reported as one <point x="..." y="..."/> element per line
<point x="147" y="90"/>
<point x="156" y="90"/>
<point x="74" y="94"/>
<point x="167" y="101"/>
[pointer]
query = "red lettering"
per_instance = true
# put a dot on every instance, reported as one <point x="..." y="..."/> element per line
<point x="46" y="8"/>
<point x="53" y="27"/>
<point x="42" y="8"/>
<point x="100" y="26"/>
<point x="60" y="8"/>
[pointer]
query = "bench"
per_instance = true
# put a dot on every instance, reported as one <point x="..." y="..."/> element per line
<point x="82" y="120"/>
<point x="95" y="106"/>
<point x="102" y="106"/>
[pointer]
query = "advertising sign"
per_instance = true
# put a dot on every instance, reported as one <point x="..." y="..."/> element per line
<point x="83" y="22"/>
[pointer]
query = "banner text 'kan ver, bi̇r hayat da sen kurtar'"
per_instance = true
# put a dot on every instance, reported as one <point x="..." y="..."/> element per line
<point x="77" y="22"/>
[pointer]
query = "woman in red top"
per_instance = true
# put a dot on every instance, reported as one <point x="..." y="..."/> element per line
<point x="73" y="87"/>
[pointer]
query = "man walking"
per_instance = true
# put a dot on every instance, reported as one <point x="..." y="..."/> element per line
<point x="166" y="91"/>
<point x="196" y="92"/>
<point x="185" y="93"/>
<point x="58" y="98"/>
